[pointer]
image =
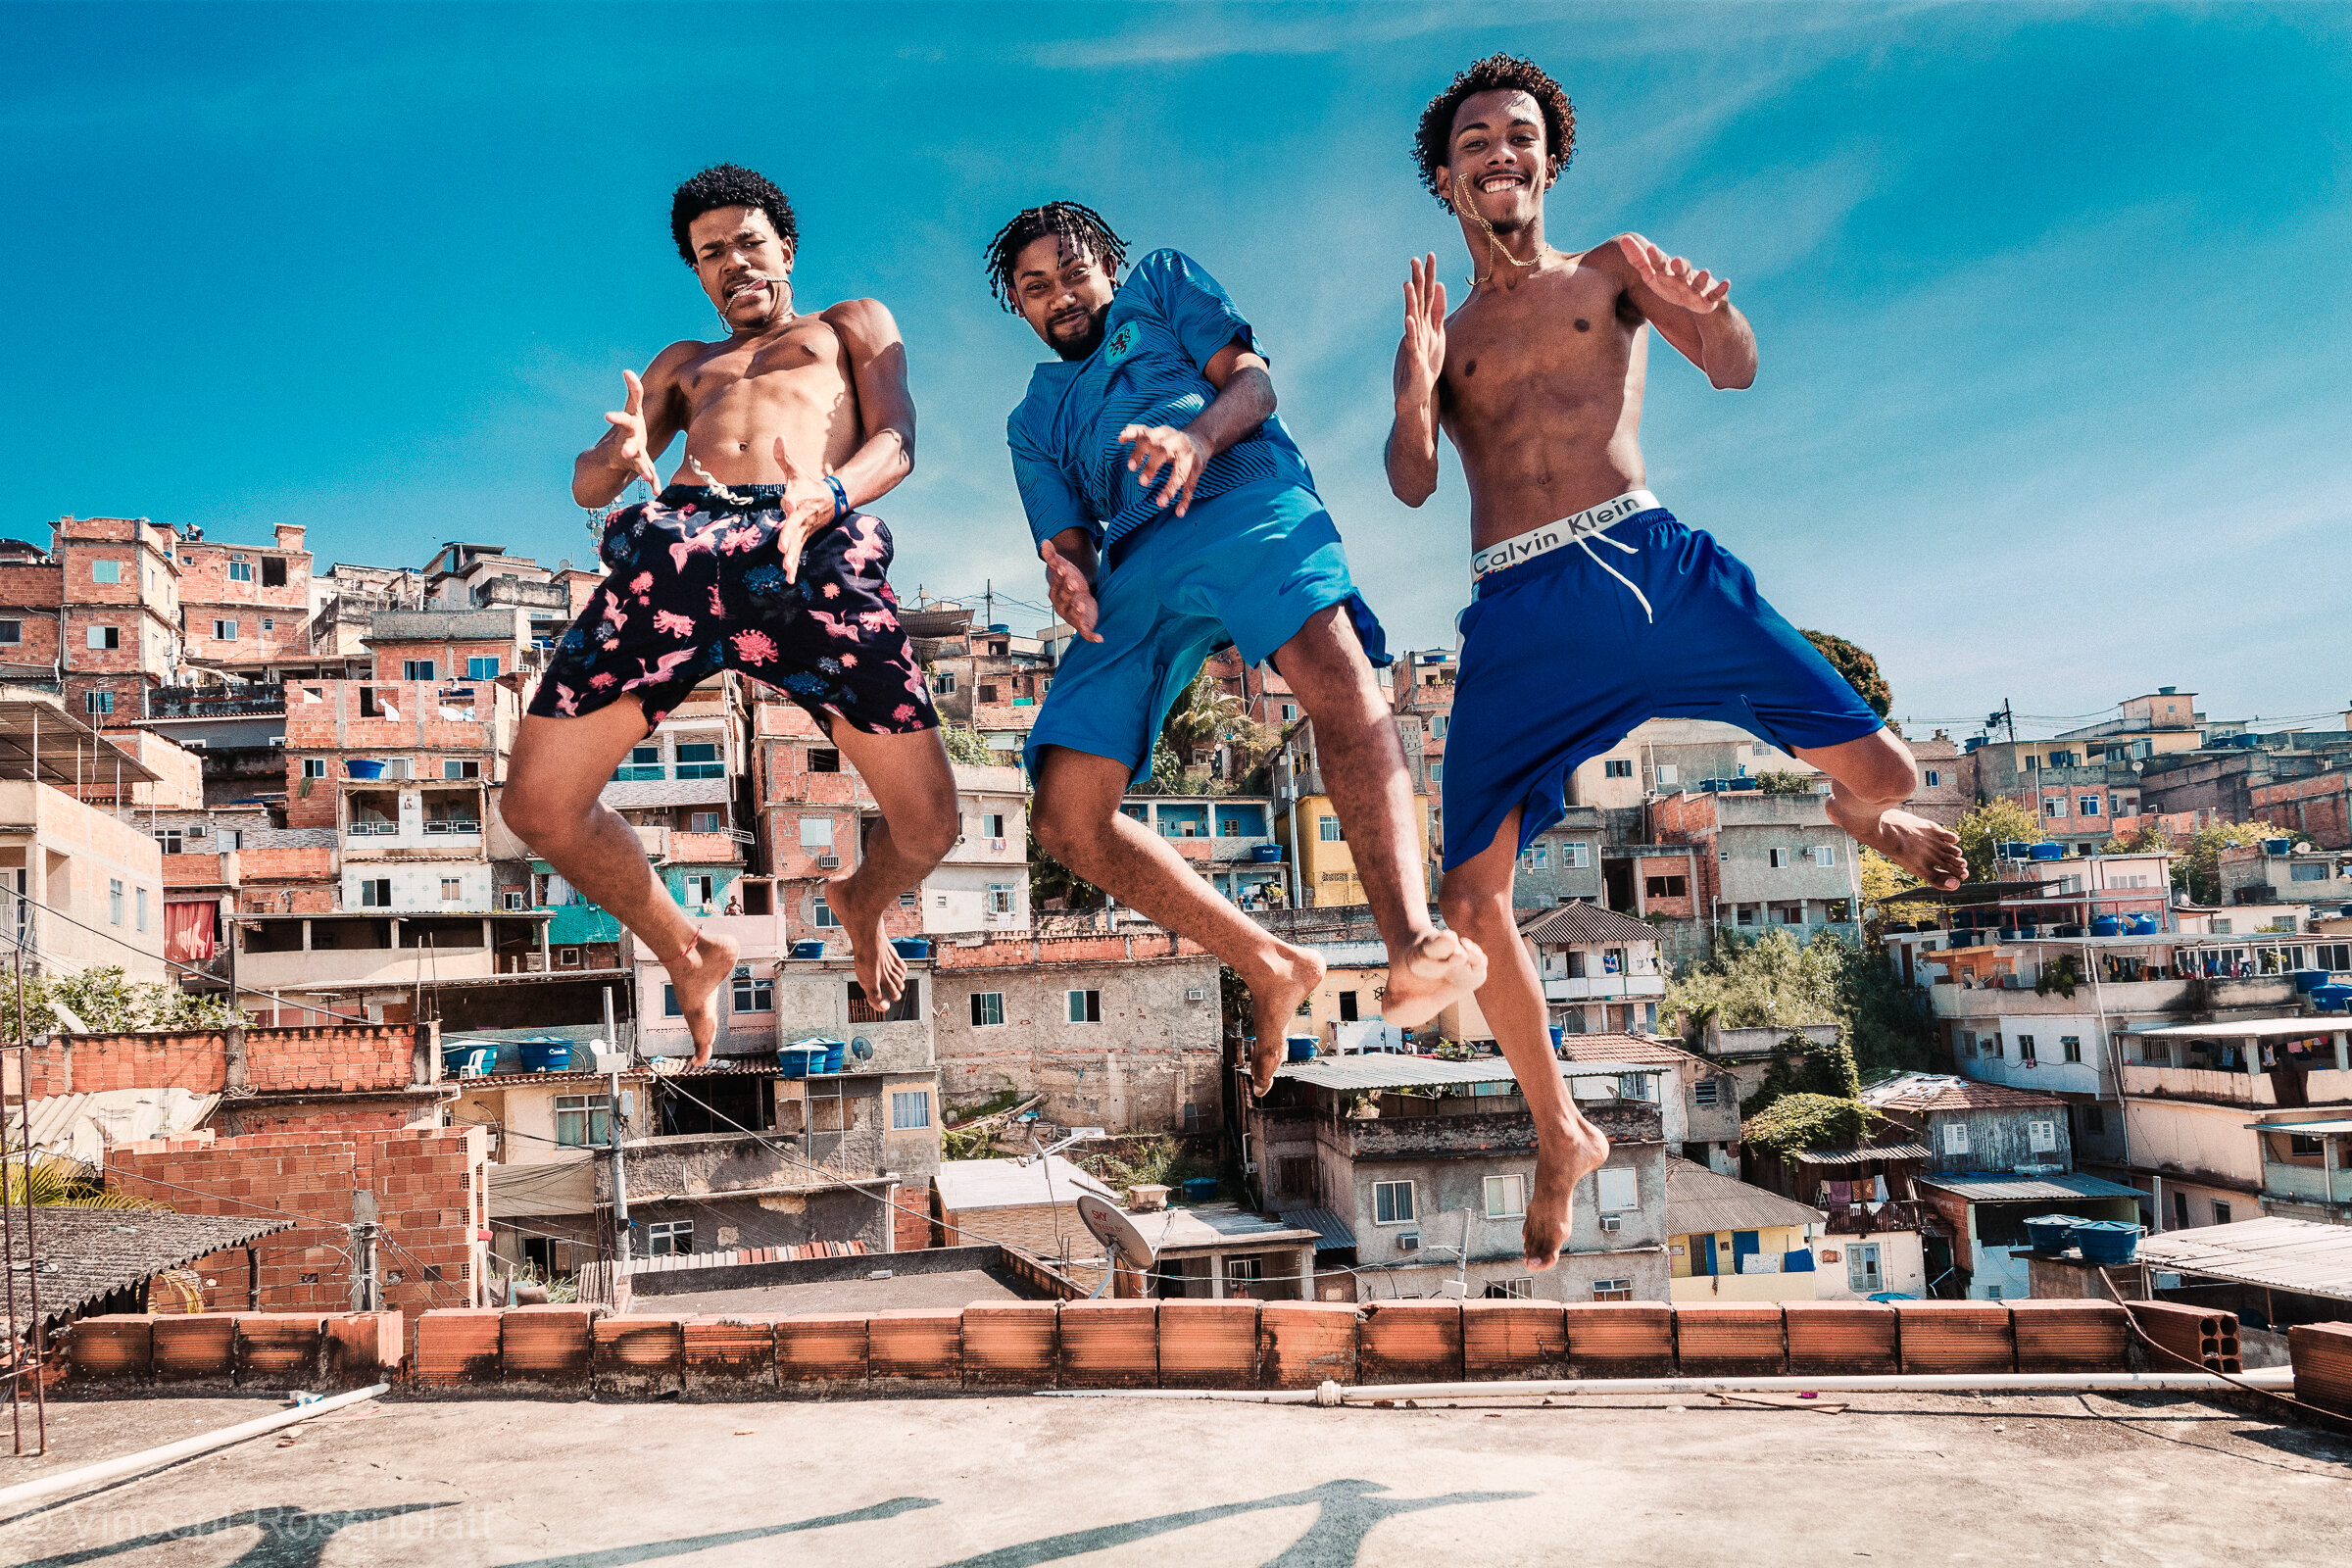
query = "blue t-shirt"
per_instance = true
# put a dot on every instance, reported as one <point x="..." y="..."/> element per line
<point x="1166" y="323"/>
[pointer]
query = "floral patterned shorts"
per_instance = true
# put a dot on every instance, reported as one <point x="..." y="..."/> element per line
<point x="697" y="586"/>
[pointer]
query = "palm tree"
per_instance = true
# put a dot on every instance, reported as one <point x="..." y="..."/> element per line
<point x="1200" y="716"/>
<point x="56" y="1181"/>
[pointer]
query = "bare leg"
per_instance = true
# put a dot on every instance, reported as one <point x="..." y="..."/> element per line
<point x="1363" y="772"/>
<point x="1477" y="900"/>
<point x="557" y="771"/>
<point x="1873" y="777"/>
<point x="915" y="789"/>
<point x="1079" y="823"/>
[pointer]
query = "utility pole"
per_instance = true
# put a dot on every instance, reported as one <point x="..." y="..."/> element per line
<point x="367" y="1289"/>
<point x="621" y="1178"/>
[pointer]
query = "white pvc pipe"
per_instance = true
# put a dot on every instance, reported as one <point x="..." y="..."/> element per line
<point x="93" y="1475"/>
<point x="2270" y="1379"/>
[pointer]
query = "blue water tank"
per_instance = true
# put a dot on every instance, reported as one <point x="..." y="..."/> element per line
<point x="1201" y="1189"/>
<point x="2331" y="998"/>
<point x="361" y="768"/>
<point x="911" y="947"/>
<point x="2106" y="925"/>
<point x="999" y="627"/>
<point x="808" y="950"/>
<point x="799" y="1061"/>
<point x="1299" y="1048"/>
<point x="1558" y="1034"/>
<point x="2145" y="925"/>
<point x="2106" y="1241"/>
<point x="2049" y="851"/>
<point x="2050" y="1233"/>
<point x="2309" y="980"/>
<point x="2278" y="846"/>
<point x="1265" y="853"/>
<point x="545" y="1055"/>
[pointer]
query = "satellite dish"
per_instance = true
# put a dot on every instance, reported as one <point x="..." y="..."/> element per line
<point x="2139" y="767"/>
<point x="1115" y="1229"/>
<point x="861" y="1047"/>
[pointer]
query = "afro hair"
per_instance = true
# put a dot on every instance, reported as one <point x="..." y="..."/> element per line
<point x="1079" y="228"/>
<point x="729" y="185"/>
<point x="1433" y="139"/>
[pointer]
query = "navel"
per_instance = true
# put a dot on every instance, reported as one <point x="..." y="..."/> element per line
<point x="1582" y="326"/>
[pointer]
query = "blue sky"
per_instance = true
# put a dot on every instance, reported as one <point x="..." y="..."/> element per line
<point x="2054" y="402"/>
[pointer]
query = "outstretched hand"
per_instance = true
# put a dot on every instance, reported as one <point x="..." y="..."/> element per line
<point x="1421" y="356"/>
<point x="1158" y="447"/>
<point x="1071" y="594"/>
<point x="629" y="421"/>
<point x="807" y="507"/>
<point x="1673" y="279"/>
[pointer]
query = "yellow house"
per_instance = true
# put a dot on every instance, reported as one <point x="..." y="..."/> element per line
<point x="1327" y="875"/>
<point x="1730" y="1241"/>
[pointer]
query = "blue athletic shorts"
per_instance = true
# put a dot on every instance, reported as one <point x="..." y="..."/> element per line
<point x="1246" y="568"/>
<point x="1559" y="661"/>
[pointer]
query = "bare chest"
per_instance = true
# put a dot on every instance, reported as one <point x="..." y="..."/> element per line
<point x="805" y="362"/>
<point x="1554" y="338"/>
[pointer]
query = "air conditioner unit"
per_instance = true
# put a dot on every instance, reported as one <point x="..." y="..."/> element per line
<point x="1610" y="1222"/>
<point x="1194" y="994"/>
<point x="827" y="862"/>
<point x="1410" y="1242"/>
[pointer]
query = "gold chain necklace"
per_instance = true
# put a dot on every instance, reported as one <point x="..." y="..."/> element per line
<point x="1495" y="245"/>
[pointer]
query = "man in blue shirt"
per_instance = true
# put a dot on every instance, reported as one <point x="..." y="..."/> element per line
<point x="1175" y="515"/>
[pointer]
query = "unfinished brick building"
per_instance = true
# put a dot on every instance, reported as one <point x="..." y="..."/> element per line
<point x="244" y="606"/>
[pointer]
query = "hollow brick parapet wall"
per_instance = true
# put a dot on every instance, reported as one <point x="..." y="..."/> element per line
<point x="339" y="1059"/>
<point x="998" y="1346"/>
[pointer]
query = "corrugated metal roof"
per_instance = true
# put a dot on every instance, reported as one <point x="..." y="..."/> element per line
<point x="84" y="1126"/>
<point x="1931" y="1091"/>
<point x="2338" y="1126"/>
<point x="1586" y="924"/>
<point x="1858" y="1156"/>
<point x="86" y="1253"/>
<point x="1989" y="1187"/>
<point x="1375" y="1071"/>
<point x="1334" y="1231"/>
<point x="2243" y="1029"/>
<point x="970" y="1185"/>
<point x="1698" y="1200"/>
<point x="2288" y="1254"/>
<point x="1218" y="1225"/>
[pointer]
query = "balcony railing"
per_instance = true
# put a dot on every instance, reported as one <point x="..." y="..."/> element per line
<point x="2307" y="1183"/>
<point x="169" y="701"/>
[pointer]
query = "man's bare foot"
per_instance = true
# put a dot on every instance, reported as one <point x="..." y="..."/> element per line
<point x="1273" y="1003"/>
<point x="881" y="972"/>
<point x="1929" y="852"/>
<point x="697" y="974"/>
<point x="1442" y="968"/>
<point x="1564" y="1158"/>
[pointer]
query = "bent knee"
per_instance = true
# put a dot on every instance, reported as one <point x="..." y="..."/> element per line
<point x="1468" y="907"/>
<point x="928" y="840"/>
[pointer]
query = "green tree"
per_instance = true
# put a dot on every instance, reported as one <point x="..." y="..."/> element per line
<point x="1798" y="1121"/>
<point x="112" y="1003"/>
<point x="966" y="744"/>
<point x="1773" y="983"/>
<point x="1988" y="825"/>
<point x="1860" y="669"/>
<point x="56" y="1182"/>
<point x="2149" y="838"/>
<point x="2199" y="871"/>
<point x="1785" y="783"/>
<point x="1199" y="718"/>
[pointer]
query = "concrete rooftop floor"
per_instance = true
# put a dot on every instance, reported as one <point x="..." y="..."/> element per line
<point x="1011" y="1482"/>
<point x="961" y="1288"/>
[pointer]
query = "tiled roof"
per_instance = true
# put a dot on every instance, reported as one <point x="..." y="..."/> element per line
<point x="86" y="1253"/>
<point x="1585" y="923"/>
<point x="1926" y="1091"/>
<point x="1623" y="1047"/>
<point x="1697" y="1201"/>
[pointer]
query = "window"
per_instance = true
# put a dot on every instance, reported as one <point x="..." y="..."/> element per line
<point x="1824" y="854"/>
<point x="514" y="901"/>
<point x="583" y="1120"/>
<point x="1519" y="1289"/>
<point x="696" y="888"/>
<point x="418" y="669"/>
<point x="460" y="768"/>
<point x="2305" y="1144"/>
<point x="2180" y="1211"/>
<point x="1744" y="915"/>
<point x="1535" y="858"/>
<point x="1575" y="856"/>
<point x="1243" y="1272"/>
<point x="1778" y="856"/>
<point x="1000" y="897"/>
<point x="98" y="701"/>
<point x="239" y="570"/>
<point x="2307" y="871"/>
<point x="1086" y="1006"/>
<point x="823" y="760"/>
<point x="2024" y="1048"/>
<point x="274" y="571"/>
<point x="314" y="768"/>
<point x="566" y="958"/>
<point x="225" y="632"/>
<point x="1617" y="768"/>
<point x="105" y="571"/>
<point x="141" y="904"/>
<point x="114" y="900"/>
<point x="1348" y="1011"/>
<point x="1507" y="1197"/>
<point x="1615" y="1188"/>
<point x="669" y="1238"/>
<point x="988" y="1009"/>
<point x="700" y="760"/>
<point x="1438" y="725"/>
<point x="910" y="1110"/>
<point x="2086" y="805"/>
<point x="375" y="893"/>
<point x="2335" y="956"/>
<point x="669" y="1003"/>
<point x="2071" y="1046"/>
<point x="2042" y="1137"/>
<point x="703" y="822"/>
<point x="1327" y="829"/>
<point x="1437" y="772"/>
<point x="1955" y="1138"/>
<point x="1289" y="712"/>
<point x="1668" y="773"/>
<point x="2053" y="806"/>
<point x="1703" y="1092"/>
<point x="754" y="995"/>
<point x="992" y="824"/>
<point x="816" y="833"/>
<point x="12" y="632"/>
<point x="1993" y="1048"/>
<point x="2221" y="1212"/>
<point x="1930" y="778"/>
<point x="943" y="683"/>
<point x="369" y="708"/>
<point x="987" y="692"/>
<point x="171" y="840"/>
<point x="1612" y="1289"/>
<point x="2094" y="1120"/>
<point x="1391" y="1203"/>
<point x="452" y="889"/>
<point x="1862" y="1275"/>
<point x="1666" y="887"/>
<point x="910" y="900"/>
<point x="104" y="637"/>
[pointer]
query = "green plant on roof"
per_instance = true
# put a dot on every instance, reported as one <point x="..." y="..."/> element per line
<point x="57" y="1182"/>
<point x="1807" y="1121"/>
<point x="110" y="1003"/>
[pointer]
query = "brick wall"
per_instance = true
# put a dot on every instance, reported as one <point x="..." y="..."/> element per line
<point x="2317" y="808"/>
<point x="343" y="1060"/>
<point x="1690" y="819"/>
<point x="429" y="1191"/>
<point x="999" y="952"/>
<point x="208" y="592"/>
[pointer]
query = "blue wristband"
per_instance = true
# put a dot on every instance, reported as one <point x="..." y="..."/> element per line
<point x="841" y="498"/>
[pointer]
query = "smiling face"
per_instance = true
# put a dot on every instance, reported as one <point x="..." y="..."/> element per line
<point x="1497" y="165"/>
<point x="1063" y="294"/>
<point x="740" y="261"/>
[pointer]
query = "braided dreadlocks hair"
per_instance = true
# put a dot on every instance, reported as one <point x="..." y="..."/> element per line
<point x="1079" y="228"/>
<point x="1432" y="139"/>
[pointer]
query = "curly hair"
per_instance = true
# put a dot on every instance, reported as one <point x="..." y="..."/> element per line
<point x="1433" y="139"/>
<point x="729" y="185"/>
<point x="1080" y="227"/>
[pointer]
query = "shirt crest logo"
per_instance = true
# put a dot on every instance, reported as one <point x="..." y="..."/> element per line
<point x="1122" y="343"/>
